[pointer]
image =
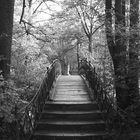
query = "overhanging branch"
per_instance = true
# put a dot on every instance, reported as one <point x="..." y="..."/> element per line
<point x="97" y="28"/>
<point x="23" y="8"/>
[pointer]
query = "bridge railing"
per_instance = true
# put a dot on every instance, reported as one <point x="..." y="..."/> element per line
<point x="28" y="116"/>
<point x="115" y="118"/>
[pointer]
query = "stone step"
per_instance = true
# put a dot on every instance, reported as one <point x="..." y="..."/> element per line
<point x="71" y="103"/>
<point x="71" y="106"/>
<point x="57" y="135"/>
<point x="71" y="83"/>
<point x="72" y="92"/>
<point x="72" y="115"/>
<point x="71" y="122"/>
<point x="71" y="95"/>
<point x="70" y="98"/>
<point x="64" y="126"/>
<point x="71" y="88"/>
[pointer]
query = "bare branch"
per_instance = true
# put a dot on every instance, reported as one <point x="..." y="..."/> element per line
<point x="25" y="22"/>
<point x="37" y="7"/>
<point x="47" y="5"/>
<point x="28" y="23"/>
<point x="86" y="32"/>
<point x="97" y="28"/>
<point x="37" y="38"/>
<point x="84" y="20"/>
<point x="23" y="8"/>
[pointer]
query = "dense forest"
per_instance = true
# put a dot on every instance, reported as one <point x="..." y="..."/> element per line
<point x="33" y="33"/>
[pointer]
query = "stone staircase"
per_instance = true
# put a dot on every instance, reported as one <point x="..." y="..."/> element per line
<point x="71" y="115"/>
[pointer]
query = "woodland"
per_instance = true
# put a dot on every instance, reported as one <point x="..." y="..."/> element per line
<point x="33" y="33"/>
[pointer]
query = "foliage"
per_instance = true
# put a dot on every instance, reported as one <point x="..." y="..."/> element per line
<point x="9" y="100"/>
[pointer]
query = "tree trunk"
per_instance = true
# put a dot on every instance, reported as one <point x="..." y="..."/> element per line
<point x="90" y="44"/>
<point x="6" y="26"/>
<point x="117" y="49"/>
<point x="119" y="57"/>
<point x="133" y="51"/>
<point x="108" y="25"/>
